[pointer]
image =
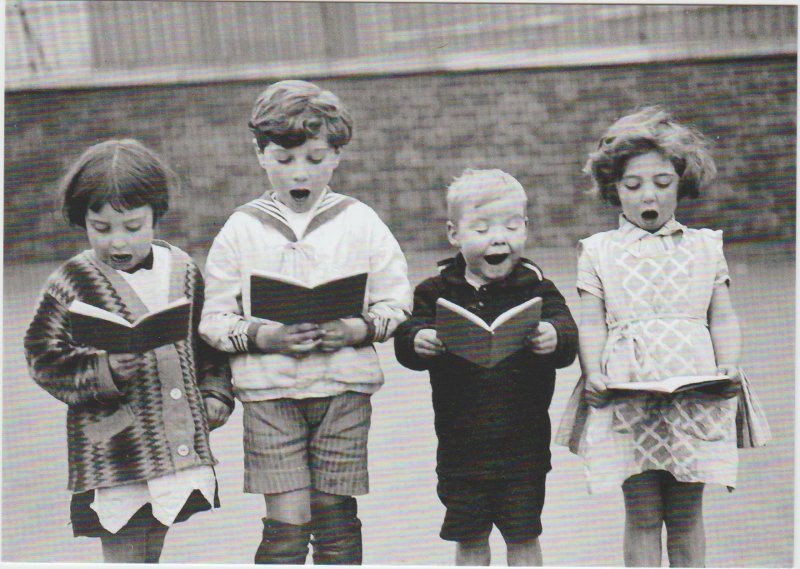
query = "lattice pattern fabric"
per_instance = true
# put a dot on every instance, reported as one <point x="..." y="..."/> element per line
<point x="657" y="289"/>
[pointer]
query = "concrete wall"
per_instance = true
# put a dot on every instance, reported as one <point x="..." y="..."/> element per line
<point x="413" y="135"/>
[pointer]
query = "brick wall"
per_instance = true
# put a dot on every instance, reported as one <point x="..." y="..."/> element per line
<point x="413" y="135"/>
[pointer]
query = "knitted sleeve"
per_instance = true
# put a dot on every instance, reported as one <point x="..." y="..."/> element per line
<point x="556" y="311"/>
<point x="69" y="372"/>
<point x="213" y="368"/>
<point x="423" y="316"/>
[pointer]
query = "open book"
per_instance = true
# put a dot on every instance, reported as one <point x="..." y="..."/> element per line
<point x="289" y="301"/>
<point x="468" y="336"/>
<point x="675" y="384"/>
<point x="92" y="326"/>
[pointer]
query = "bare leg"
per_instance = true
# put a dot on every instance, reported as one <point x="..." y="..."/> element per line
<point x="525" y="554"/>
<point x="123" y="548"/>
<point x="474" y="552"/>
<point x="139" y="541"/>
<point x="285" y="537"/>
<point x="644" y="518"/>
<point x="289" y="507"/>
<point x="683" y="515"/>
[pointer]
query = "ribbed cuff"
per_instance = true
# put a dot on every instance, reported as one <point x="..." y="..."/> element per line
<point x="252" y="332"/>
<point x="369" y="337"/>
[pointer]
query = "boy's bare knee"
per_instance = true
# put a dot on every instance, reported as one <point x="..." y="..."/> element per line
<point x="289" y="507"/>
<point x="474" y="545"/>
<point x="473" y="552"/>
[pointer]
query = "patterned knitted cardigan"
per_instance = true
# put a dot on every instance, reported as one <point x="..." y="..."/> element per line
<point x="122" y="429"/>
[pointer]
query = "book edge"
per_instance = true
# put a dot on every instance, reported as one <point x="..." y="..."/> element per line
<point x="513" y="311"/>
<point x="76" y="307"/>
<point x="464" y="313"/>
<point x="296" y="282"/>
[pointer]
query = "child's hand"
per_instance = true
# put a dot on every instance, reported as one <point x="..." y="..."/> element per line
<point x="337" y="334"/>
<point x="732" y="371"/>
<point x="596" y="391"/>
<point x="544" y="339"/>
<point x="427" y="344"/>
<point x="292" y="340"/>
<point x="217" y="412"/>
<point x="123" y="366"/>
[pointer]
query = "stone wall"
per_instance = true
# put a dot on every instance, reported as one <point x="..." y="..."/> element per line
<point x="415" y="133"/>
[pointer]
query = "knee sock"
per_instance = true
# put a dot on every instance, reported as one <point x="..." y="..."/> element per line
<point x="337" y="533"/>
<point x="283" y="544"/>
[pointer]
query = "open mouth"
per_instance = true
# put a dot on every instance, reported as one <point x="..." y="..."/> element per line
<point x="121" y="258"/>
<point x="496" y="259"/>
<point x="299" y="195"/>
<point x="650" y="215"/>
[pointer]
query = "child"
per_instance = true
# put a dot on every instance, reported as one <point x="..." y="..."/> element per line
<point x="137" y="426"/>
<point x="654" y="304"/>
<point x="305" y="388"/>
<point x="492" y="423"/>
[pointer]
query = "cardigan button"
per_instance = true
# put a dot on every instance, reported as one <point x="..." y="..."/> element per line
<point x="175" y="393"/>
<point x="183" y="450"/>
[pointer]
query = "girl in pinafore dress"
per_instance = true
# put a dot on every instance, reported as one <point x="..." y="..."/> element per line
<point x="655" y="303"/>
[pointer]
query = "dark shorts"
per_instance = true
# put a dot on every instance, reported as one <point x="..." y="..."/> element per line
<point x="473" y="506"/>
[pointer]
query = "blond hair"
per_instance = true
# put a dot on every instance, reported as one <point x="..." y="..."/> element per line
<point x="476" y="188"/>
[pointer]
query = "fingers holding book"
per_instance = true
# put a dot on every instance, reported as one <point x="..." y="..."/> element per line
<point x="732" y="389"/>
<point x="596" y="391"/>
<point x="295" y="340"/>
<point x="543" y="340"/>
<point x="427" y="344"/>
<point x="337" y="334"/>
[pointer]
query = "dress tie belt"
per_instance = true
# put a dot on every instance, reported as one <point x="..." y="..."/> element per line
<point x="620" y="331"/>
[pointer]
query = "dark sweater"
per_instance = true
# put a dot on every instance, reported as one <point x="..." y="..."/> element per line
<point x="494" y="422"/>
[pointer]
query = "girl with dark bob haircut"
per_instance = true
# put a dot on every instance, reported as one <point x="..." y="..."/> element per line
<point x="651" y="128"/>
<point x="123" y="173"/>
<point x="139" y="413"/>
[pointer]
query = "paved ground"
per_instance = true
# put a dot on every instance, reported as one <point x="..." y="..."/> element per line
<point x="752" y="527"/>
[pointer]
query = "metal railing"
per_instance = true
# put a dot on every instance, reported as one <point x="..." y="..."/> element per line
<point x="57" y="43"/>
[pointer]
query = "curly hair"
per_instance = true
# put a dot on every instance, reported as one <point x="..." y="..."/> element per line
<point x="123" y="173"/>
<point x="289" y="112"/>
<point x="647" y="130"/>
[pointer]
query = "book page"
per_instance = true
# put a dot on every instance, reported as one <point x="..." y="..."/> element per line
<point x="174" y="304"/>
<point x="463" y="312"/>
<point x="670" y="384"/>
<point x="280" y="278"/>
<point x="79" y="307"/>
<point x="511" y="312"/>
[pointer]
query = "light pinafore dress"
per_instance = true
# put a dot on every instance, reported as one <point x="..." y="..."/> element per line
<point x="657" y="289"/>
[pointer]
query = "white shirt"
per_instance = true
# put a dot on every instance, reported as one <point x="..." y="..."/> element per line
<point x="167" y="494"/>
<point x="299" y="221"/>
<point x="344" y="240"/>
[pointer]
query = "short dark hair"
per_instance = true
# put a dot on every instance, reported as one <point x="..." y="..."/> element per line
<point x="288" y="113"/>
<point x="123" y="173"/>
<point x="647" y="130"/>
